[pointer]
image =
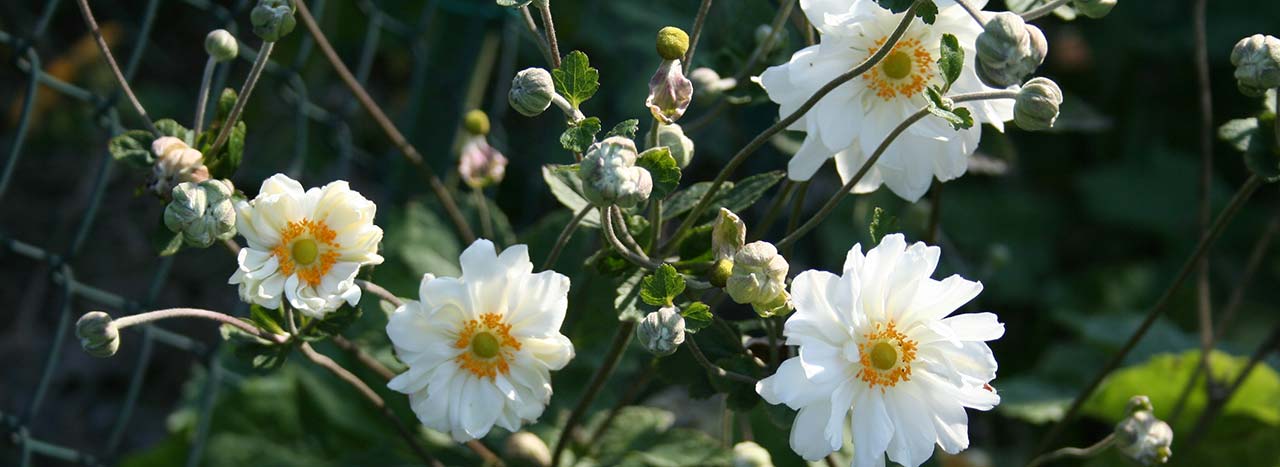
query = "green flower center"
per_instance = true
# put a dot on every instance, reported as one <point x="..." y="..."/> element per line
<point x="896" y="65"/>
<point x="484" y="345"/>
<point x="305" y="251"/>
<point x="883" y="356"/>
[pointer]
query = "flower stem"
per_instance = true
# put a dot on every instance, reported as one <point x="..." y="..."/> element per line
<point x="1207" y="240"/>
<point x="259" y="64"/>
<point x="380" y="292"/>
<point x="342" y="373"/>
<point x="202" y="99"/>
<point x="620" y="340"/>
<point x="115" y="67"/>
<point x="380" y="117"/>
<point x="804" y="108"/>
<point x="712" y="367"/>
<point x="884" y="145"/>
<point x="143" y="318"/>
<point x="696" y="33"/>
<point x="1204" y="297"/>
<point x="1043" y="10"/>
<point x="606" y="221"/>
<point x="973" y="12"/>
<point x="550" y="26"/>
<point x="1215" y="405"/>
<point x="625" y="233"/>
<point x="655" y="224"/>
<point x="1082" y="453"/>
<point x="565" y="235"/>
<point x="538" y="38"/>
<point x="482" y="211"/>
<point x="775" y="30"/>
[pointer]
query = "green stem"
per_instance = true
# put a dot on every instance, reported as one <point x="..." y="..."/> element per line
<point x="565" y="235"/>
<point x="259" y="64"/>
<point x="973" y="12"/>
<point x="1082" y="453"/>
<point x="606" y="221"/>
<point x="620" y="340"/>
<point x="150" y="316"/>
<point x="482" y="211"/>
<point x="1202" y="247"/>
<point x="696" y="33"/>
<point x="202" y="99"/>
<point x="782" y="124"/>
<point x="550" y="26"/>
<point x="655" y="224"/>
<point x="1043" y="10"/>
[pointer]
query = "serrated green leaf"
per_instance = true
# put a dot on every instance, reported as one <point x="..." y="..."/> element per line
<point x="662" y="286"/>
<point x="697" y="315"/>
<point x="1262" y="155"/>
<point x="579" y="138"/>
<point x="133" y="147"/>
<point x="941" y="107"/>
<point x="566" y="187"/>
<point x="663" y="168"/>
<point x="927" y="11"/>
<point x="625" y="128"/>
<point x="1238" y="132"/>
<point x="951" y="61"/>
<point x="257" y="352"/>
<point x="575" y="79"/>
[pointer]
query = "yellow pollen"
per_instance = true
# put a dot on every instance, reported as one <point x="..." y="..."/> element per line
<point x="486" y="345"/>
<point x="905" y="71"/>
<point x="885" y="356"/>
<point x="307" y="248"/>
<point x="897" y="64"/>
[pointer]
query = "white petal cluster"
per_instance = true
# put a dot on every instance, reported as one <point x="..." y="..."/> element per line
<point x="305" y="246"/>
<point x="878" y="353"/>
<point x="480" y="347"/>
<point x="851" y="121"/>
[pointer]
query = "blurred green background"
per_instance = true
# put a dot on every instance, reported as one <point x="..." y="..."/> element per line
<point x="1074" y="232"/>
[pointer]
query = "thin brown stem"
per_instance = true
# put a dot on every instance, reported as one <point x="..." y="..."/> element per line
<point x="327" y="363"/>
<point x="696" y="33"/>
<point x="168" y="313"/>
<point x="1204" y="297"/>
<point x="380" y="292"/>
<point x="550" y="25"/>
<point x="712" y="367"/>
<point x="259" y="64"/>
<point x="565" y="235"/>
<point x="538" y="38"/>
<point x="621" y="338"/>
<point x="115" y="68"/>
<point x="1214" y="408"/>
<point x="384" y="122"/>
<point x="804" y="108"/>
<point x="482" y="211"/>
<point x="973" y="12"/>
<point x="775" y="30"/>
<point x="1219" y="225"/>
<point x="1082" y="453"/>
<point x="775" y="209"/>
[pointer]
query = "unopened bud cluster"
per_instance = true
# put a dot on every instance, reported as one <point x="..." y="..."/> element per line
<point x="272" y="19"/>
<point x="1257" y="62"/>
<point x="1008" y="49"/>
<point x="202" y="212"/>
<point x="661" y="332"/>
<point x="759" y="278"/>
<point x="176" y="162"/>
<point x="1143" y="437"/>
<point x="610" y="175"/>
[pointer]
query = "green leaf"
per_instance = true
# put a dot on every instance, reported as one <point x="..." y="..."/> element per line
<point x="514" y="3"/>
<point x="226" y="161"/>
<point x="683" y="200"/>
<point x="644" y="437"/>
<point x="226" y="101"/>
<point x="746" y="192"/>
<point x="333" y="323"/>
<point x="133" y="147"/>
<point x="879" y="224"/>
<point x="951" y="61"/>
<point x="696" y="245"/>
<point x="1238" y="132"/>
<point x="697" y="315"/>
<point x="663" y="168"/>
<point x="629" y="290"/>
<point x="575" y="79"/>
<point x="661" y="287"/>
<point x="420" y="239"/>
<point x="566" y="187"/>
<point x="257" y="352"/>
<point x="1262" y="155"/>
<point x="168" y="127"/>
<point x="266" y="319"/>
<point x="625" y="128"/>
<point x="927" y="11"/>
<point x="943" y="108"/>
<point x="579" y="138"/>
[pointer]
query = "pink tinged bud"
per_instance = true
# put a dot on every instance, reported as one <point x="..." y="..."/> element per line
<point x="176" y="162"/>
<point x="481" y="165"/>
<point x="669" y="92"/>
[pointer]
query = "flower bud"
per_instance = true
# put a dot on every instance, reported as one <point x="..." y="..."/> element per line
<point x="1257" y="61"/>
<point x="728" y="235"/>
<point x="272" y="19"/>
<point x="525" y="449"/>
<point x="681" y="147"/>
<point x="531" y="91"/>
<point x="749" y="454"/>
<point x="661" y="332"/>
<point x="669" y="92"/>
<point x="1143" y="437"/>
<point x="672" y="43"/>
<point x="479" y="164"/>
<point x="98" y="334"/>
<point x="1008" y="49"/>
<point x="221" y="45"/>
<point x="720" y="272"/>
<point x="610" y="176"/>
<point x="202" y="212"/>
<point x="759" y="278"/>
<point x="706" y="82"/>
<point x="476" y="122"/>
<point x="176" y="162"/>
<point x="1094" y="8"/>
<point x="1036" y="107"/>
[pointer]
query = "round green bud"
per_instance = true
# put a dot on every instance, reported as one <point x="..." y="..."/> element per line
<point x="1257" y="61"/>
<point x="476" y="122"/>
<point x="1094" y="8"/>
<point x="720" y="272"/>
<point x="531" y="91"/>
<point x="1036" y="107"/>
<point x="661" y="332"/>
<point x="98" y="334"/>
<point x="272" y="19"/>
<point x="525" y="449"/>
<point x="221" y="45"/>
<point x="672" y="43"/>
<point x="202" y="212"/>
<point x="610" y="175"/>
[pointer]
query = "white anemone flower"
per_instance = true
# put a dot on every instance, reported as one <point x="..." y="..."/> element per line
<point x="877" y="348"/>
<point x="480" y="347"/>
<point x="305" y="245"/>
<point x="851" y="121"/>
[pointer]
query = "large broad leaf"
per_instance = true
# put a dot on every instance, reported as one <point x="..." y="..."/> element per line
<point x="735" y="197"/>
<point x="642" y="436"/>
<point x="567" y="188"/>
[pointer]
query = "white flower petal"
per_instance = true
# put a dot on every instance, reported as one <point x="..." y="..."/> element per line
<point x="872" y="429"/>
<point x="808" y="433"/>
<point x="976" y="326"/>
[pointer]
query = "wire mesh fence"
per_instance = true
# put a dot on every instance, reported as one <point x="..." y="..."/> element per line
<point x="73" y="296"/>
